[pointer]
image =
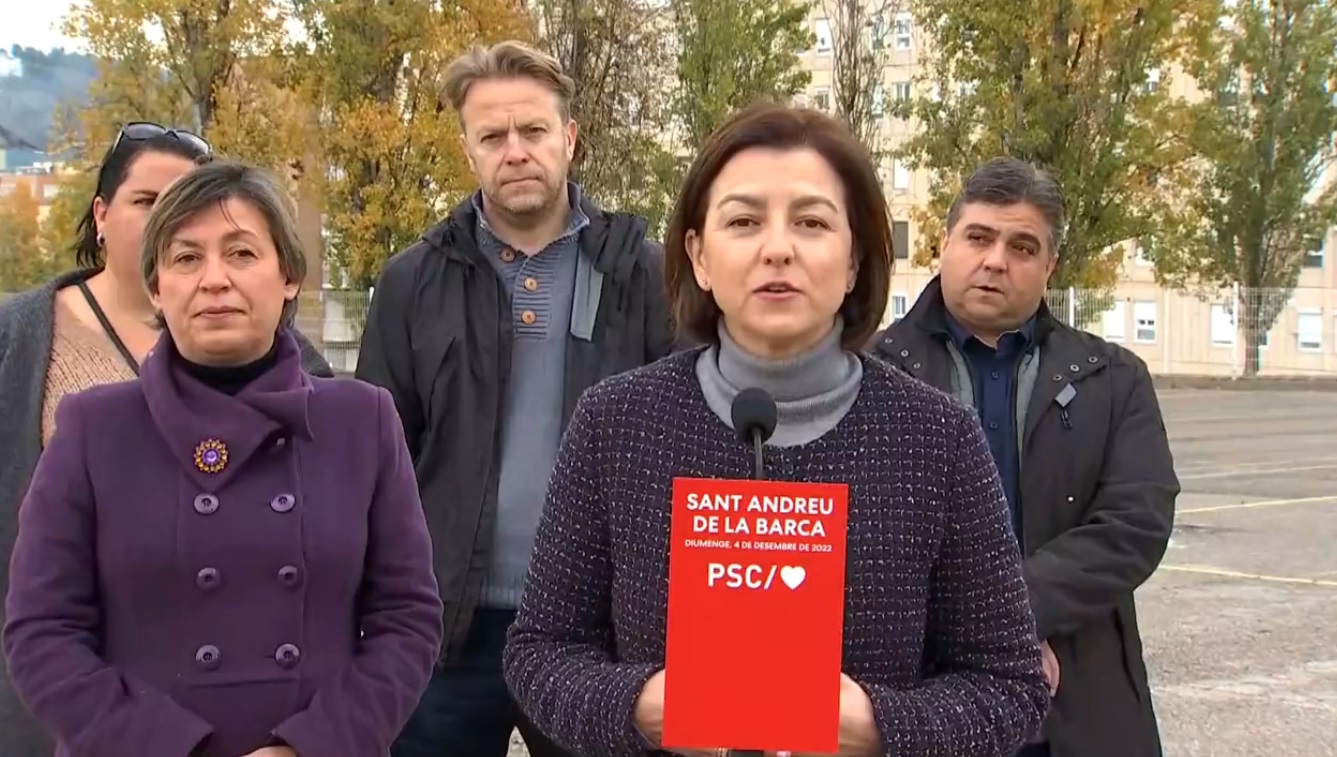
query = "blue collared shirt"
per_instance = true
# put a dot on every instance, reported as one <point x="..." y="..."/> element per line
<point x="993" y="374"/>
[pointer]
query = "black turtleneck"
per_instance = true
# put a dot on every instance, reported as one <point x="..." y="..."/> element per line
<point x="230" y="379"/>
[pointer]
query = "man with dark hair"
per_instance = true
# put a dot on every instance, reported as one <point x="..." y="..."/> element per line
<point x="1077" y="436"/>
<point x="486" y="331"/>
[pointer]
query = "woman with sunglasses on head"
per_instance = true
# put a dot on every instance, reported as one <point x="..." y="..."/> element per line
<point x="88" y="327"/>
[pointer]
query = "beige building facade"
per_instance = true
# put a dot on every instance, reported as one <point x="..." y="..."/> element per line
<point x="43" y="184"/>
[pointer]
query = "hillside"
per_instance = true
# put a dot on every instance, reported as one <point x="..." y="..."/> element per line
<point x="33" y="83"/>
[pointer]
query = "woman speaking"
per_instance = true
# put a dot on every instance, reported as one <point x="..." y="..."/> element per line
<point x="778" y="259"/>
<point x="225" y="557"/>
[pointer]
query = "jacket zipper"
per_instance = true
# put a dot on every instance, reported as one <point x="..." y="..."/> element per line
<point x="1021" y="450"/>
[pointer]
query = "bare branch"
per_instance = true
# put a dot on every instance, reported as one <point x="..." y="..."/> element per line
<point x="861" y="36"/>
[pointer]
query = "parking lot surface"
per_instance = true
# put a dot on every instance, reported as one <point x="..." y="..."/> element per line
<point x="1240" y="623"/>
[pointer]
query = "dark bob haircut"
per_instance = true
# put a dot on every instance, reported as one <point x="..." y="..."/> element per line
<point x="779" y="127"/>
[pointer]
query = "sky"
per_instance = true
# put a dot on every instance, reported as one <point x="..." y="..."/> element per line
<point x="34" y="23"/>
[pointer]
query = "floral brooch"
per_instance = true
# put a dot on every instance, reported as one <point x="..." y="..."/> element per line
<point x="211" y="456"/>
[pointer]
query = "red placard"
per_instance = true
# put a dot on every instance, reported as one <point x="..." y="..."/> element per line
<point x="755" y="615"/>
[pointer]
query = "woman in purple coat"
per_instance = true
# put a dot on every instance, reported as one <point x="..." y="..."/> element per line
<point x="226" y="557"/>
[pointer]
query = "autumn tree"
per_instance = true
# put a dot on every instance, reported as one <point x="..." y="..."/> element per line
<point x="389" y="145"/>
<point x="23" y="262"/>
<point x="731" y="54"/>
<point x="860" y="31"/>
<point x="1077" y="87"/>
<point x="1268" y="192"/>
<point x="621" y="57"/>
<point x="204" y="65"/>
<point x="74" y="193"/>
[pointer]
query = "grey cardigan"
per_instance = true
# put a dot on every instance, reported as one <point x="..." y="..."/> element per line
<point x="27" y="321"/>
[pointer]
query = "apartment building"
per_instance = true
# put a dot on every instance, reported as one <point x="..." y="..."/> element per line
<point x="42" y="182"/>
<point x="1176" y="331"/>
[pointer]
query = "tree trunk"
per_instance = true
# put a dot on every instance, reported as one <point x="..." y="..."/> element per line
<point x="1252" y="354"/>
<point x="1252" y="318"/>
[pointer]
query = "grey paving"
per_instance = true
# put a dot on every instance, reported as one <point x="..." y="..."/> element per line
<point x="1240" y="624"/>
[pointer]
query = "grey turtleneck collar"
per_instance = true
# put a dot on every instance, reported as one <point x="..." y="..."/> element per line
<point x="812" y="391"/>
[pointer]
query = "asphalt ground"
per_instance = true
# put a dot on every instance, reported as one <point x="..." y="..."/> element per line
<point x="1240" y="622"/>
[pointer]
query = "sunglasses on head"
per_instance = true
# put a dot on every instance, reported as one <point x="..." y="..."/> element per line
<point x="142" y="131"/>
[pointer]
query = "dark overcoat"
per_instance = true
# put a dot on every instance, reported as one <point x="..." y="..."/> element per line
<point x="199" y="573"/>
<point x="1098" y="491"/>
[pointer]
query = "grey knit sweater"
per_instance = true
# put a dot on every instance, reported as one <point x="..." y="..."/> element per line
<point x="27" y="323"/>
<point x="937" y="629"/>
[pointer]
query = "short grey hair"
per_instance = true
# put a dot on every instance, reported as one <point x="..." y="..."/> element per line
<point x="1008" y="181"/>
<point x="209" y="186"/>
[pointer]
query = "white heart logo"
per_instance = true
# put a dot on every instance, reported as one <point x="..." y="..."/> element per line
<point x="793" y="576"/>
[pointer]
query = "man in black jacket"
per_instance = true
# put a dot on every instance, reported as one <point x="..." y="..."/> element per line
<point x="486" y="331"/>
<point x="1079" y="442"/>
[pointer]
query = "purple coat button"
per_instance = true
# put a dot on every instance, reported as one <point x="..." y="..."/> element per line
<point x="207" y="578"/>
<point x="288" y="575"/>
<point x="208" y="657"/>
<point x="206" y="504"/>
<point x="287" y="655"/>
<point x="282" y="503"/>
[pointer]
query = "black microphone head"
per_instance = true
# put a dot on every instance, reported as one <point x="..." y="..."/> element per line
<point x="754" y="411"/>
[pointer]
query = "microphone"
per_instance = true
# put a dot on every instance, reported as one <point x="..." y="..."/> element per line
<point x="754" y="418"/>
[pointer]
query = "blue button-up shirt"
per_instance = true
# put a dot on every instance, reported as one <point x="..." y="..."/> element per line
<point x="994" y="377"/>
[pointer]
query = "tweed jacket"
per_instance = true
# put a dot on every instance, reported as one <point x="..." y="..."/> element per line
<point x="937" y="626"/>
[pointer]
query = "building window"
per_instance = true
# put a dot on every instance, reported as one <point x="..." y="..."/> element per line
<point x="821" y="99"/>
<point x="1265" y="339"/>
<point x="1229" y="93"/>
<point x="822" y="31"/>
<point x="900" y="177"/>
<point x="877" y="32"/>
<point x="879" y="104"/>
<point x="1309" y="330"/>
<point x="900" y="305"/>
<point x="1314" y="258"/>
<point x="901" y="31"/>
<point x="900" y="91"/>
<point x="1140" y="253"/>
<point x="900" y="239"/>
<point x="1114" y="322"/>
<point x="1223" y="325"/>
<point x="1153" y="80"/>
<point x="1144" y="322"/>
